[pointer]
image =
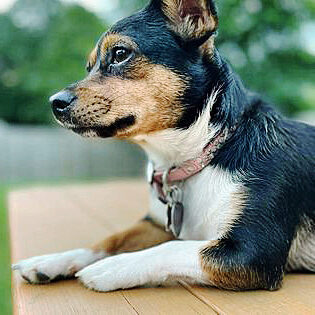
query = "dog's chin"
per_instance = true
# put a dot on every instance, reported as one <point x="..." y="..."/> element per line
<point x="92" y="132"/>
<point x="86" y="132"/>
<point x="99" y="131"/>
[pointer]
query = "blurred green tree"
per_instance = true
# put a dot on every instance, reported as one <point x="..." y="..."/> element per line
<point x="44" y="43"/>
<point x="268" y="43"/>
<point x="41" y="55"/>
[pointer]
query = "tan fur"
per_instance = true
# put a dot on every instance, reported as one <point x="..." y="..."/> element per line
<point x="237" y="277"/>
<point x="109" y="41"/>
<point x="231" y="278"/>
<point x="92" y="59"/>
<point x="143" y="235"/>
<point x="207" y="48"/>
<point x="189" y="27"/>
<point x="149" y="92"/>
<point x="112" y="40"/>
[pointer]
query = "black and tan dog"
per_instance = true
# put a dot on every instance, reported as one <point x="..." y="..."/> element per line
<point x="232" y="181"/>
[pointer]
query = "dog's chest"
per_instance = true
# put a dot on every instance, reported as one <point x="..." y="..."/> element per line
<point x="212" y="203"/>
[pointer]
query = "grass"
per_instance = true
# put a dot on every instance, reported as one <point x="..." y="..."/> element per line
<point x="5" y="274"/>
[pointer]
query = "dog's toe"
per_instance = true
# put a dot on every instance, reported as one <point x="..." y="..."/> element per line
<point x="42" y="278"/>
<point x="53" y="267"/>
<point x="26" y="279"/>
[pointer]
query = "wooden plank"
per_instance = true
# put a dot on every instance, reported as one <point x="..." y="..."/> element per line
<point x="46" y="220"/>
<point x="166" y="300"/>
<point x="41" y="222"/>
<point x="67" y="297"/>
<point x="296" y="297"/>
<point x="119" y="204"/>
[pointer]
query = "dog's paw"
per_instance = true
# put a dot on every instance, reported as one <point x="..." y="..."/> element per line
<point x="117" y="272"/>
<point x="44" y="269"/>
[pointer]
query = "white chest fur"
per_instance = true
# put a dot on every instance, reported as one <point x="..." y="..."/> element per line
<point x="210" y="205"/>
<point x="212" y="199"/>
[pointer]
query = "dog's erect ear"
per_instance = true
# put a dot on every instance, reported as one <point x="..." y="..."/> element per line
<point x="193" y="20"/>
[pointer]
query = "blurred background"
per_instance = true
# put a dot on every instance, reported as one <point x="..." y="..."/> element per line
<point x="43" y="48"/>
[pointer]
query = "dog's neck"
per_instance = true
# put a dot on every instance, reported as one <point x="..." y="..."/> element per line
<point x="223" y="109"/>
<point x="172" y="147"/>
<point x="234" y="100"/>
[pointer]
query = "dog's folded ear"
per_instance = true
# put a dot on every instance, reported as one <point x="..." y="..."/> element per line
<point x="194" y="21"/>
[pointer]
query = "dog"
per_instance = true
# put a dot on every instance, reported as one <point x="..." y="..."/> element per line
<point x="232" y="182"/>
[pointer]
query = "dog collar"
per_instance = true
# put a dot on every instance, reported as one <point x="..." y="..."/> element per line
<point x="165" y="182"/>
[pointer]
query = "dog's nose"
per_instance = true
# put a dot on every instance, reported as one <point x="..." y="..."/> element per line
<point x="61" y="100"/>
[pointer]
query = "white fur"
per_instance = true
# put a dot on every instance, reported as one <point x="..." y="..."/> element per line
<point x="172" y="147"/>
<point x="302" y="251"/>
<point x="174" y="260"/>
<point x="60" y="264"/>
<point x="208" y="196"/>
<point x="208" y="199"/>
<point x="209" y="213"/>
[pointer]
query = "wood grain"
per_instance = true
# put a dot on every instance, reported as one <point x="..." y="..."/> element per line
<point x="46" y="220"/>
<point x="49" y="219"/>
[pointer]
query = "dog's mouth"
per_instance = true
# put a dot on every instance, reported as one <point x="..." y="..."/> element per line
<point x="105" y="131"/>
<point x="100" y="132"/>
<point x="72" y="123"/>
<point x="63" y="106"/>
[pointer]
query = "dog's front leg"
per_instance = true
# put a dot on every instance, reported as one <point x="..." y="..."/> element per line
<point x="43" y="269"/>
<point x="223" y="263"/>
<point x="173" y="260"/>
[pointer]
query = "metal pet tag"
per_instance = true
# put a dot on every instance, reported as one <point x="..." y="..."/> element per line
<point x="175" y="208"/>
<point x="169" y="218"/>
<point x="177" y="218"/>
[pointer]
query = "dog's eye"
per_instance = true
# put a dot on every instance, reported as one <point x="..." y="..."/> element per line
<point x="120" y="55"/>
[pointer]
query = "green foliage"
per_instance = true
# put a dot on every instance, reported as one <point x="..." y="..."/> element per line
<point x="264" y="42"/>
<point x="47" y="50"/>
<point x="35" y="63"/>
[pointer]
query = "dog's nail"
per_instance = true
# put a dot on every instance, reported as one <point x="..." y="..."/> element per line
<point x="42" y="277"/>
<point x="26" y="279"/>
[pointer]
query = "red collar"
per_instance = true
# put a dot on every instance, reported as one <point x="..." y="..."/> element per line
<point x="190" y="167"/>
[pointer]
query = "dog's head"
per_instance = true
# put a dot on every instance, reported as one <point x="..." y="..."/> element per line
<point x="149" y="72"/>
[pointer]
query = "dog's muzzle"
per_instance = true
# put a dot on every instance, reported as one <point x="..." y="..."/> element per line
<point x="62" y="103"/>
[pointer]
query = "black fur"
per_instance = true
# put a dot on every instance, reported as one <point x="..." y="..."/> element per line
<point x="110" y="130"/>
<point x="274" y="157"/>
<point x="148" y="28"/>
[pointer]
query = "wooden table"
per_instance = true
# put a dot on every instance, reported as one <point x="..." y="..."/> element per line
<point x="46" y="220"/>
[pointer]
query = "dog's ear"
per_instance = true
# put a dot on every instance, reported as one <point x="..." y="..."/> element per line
<point x="194" y="21"/>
